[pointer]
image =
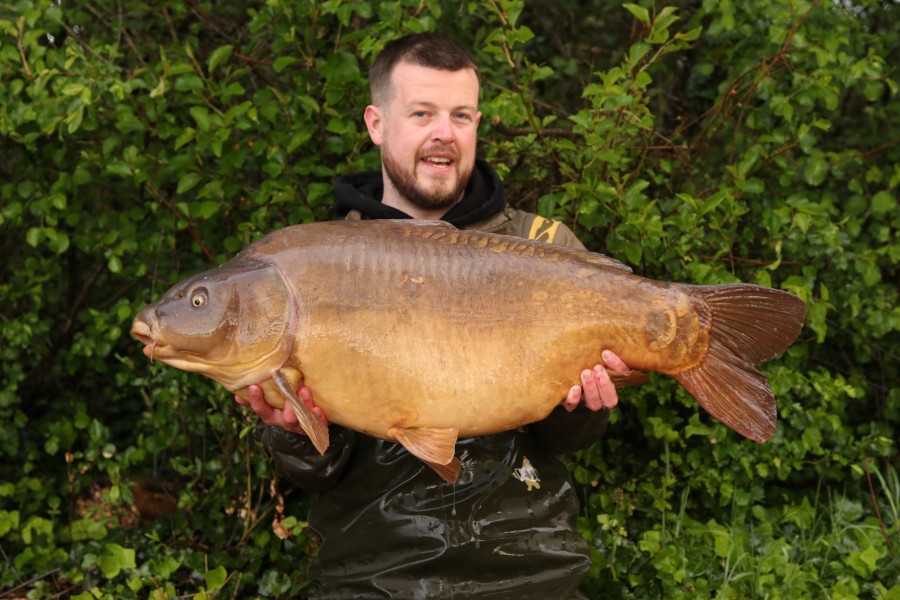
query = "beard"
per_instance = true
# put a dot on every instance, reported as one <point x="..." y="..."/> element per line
<point x="408" y="186"/>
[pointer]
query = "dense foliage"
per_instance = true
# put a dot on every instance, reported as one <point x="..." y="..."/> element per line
<point x="700" y="141"/>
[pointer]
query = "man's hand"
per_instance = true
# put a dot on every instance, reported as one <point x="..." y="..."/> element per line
<point x="276" y="417"/>
<point x="598" y="390"/>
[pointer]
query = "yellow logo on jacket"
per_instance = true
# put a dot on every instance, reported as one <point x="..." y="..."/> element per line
<point x="543" y="230"/>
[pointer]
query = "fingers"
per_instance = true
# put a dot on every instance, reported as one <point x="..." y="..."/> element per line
<point x="606" y="390"/>
<point x="305" y="395"/>
<point x="573" y="398"/>
<point x="613" y="362"/>
<point x="590" y="379"/>
<point x="268" y="414"/>
<point x="597" y="389"/>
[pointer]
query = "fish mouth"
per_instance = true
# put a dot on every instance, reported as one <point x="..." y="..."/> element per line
<point x="142" y="332"/>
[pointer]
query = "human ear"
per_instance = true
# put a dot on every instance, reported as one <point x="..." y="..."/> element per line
<point x="374" y="119"/>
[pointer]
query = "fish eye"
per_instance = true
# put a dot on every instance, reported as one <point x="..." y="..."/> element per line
<point x="198" y="299"/>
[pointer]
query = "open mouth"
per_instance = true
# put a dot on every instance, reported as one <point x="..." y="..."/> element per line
<point x="142" y="332"/>
<point x="441" y="161"/>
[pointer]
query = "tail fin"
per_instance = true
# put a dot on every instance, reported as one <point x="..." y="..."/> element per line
<point x="749" y="324"/>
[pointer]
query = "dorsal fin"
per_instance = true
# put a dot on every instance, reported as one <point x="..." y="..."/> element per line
<point x="427" y="223"/>
<point x="443" y="232"/>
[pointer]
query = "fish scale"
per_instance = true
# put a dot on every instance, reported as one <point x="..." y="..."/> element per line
<point x="416" y="332"/>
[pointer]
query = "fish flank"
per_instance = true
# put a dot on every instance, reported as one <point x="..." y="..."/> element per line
<point x="437" y="317"/>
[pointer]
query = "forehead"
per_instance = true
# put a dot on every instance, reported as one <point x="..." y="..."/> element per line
<point x="414" y="84"/>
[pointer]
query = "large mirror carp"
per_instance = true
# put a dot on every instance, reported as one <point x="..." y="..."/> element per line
<point x="416" y="332"/>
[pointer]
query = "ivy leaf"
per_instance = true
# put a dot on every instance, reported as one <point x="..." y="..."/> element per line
<point x="115" y="559"/>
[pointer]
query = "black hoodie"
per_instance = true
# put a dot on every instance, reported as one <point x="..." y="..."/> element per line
<point x="391" y="528"/>
<point x="363" y="191"/>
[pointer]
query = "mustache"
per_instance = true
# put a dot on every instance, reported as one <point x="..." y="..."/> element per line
<point x="448" y="150"/>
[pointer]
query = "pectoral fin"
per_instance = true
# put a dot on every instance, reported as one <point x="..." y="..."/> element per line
<point x="311" y="424"/>
<point x="626" y="378"/>
<point x="433" y="445"/>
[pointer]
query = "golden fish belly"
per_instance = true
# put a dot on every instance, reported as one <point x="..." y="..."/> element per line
<point x="445" y="335"/>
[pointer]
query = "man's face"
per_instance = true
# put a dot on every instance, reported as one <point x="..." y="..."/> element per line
<point x="427" y="130"/>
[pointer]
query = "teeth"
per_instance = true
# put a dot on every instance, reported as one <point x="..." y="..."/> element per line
<point x="439" y="161"/>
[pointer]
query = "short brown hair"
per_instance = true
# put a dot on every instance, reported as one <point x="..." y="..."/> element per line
<point x="431" y="50"/>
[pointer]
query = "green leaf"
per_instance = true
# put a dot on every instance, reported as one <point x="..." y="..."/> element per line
<point x="283" y="62"/>
<point x="215" y="578"/>
<point x="816" y="170"/>
<point x="865" y="562"/>
<point x="114" y="264"/>
<point x="187" y="182"/>
<point x="689" y="36"/>
<point x="160" y="88"/>
<point x="73" y="89"/>
<point x="33" y="237"/>
<point x="218" y="56"/>
<point x="115" y="559"/>
<point x="640" y="13"/>
<point x="637" y="52"/>
<point x="883" y="203"/>
<point x="643" y="79"/>
<point x="9" y="521"/>
<point x="186" y="136"/>
<point x="188" y="83"/>
<point x="201" y="116"/>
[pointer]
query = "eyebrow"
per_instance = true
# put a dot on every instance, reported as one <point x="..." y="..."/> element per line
<point x="431" y="105"/>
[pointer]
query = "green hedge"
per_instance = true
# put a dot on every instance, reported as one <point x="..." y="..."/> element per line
<point x="704" y="142"/>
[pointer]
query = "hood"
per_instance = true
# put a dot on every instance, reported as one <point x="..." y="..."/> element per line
<point x="363" y="191"/>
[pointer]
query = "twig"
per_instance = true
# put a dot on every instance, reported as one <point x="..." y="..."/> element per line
<point x="24" y="584"/>
<point x="250" y="59"/>
<point x="884" y="532"/>
<point x="190" y="224"/>
<point x="865" y="155"/>
<point x="22" y="53"/>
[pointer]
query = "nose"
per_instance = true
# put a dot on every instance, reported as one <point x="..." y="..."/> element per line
<point x="443" y="129"/>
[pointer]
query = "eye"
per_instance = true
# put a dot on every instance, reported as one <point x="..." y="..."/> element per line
<point x="198" y="300"/>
